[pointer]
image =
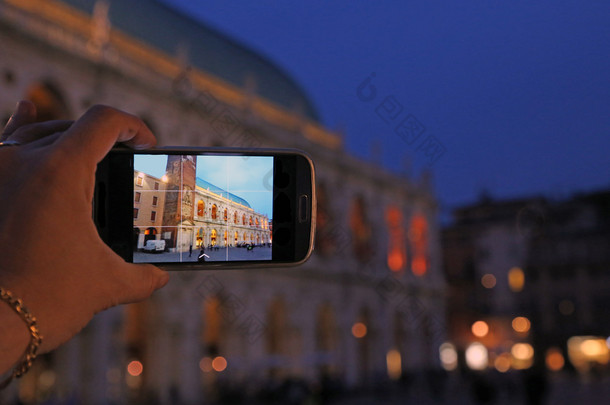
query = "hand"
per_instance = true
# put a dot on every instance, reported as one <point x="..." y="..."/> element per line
<point x="50" y="253"/>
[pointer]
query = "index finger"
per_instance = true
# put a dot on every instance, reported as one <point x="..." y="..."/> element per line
<point x="96" y="132"/>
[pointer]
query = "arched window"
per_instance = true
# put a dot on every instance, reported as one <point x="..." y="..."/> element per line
<point x="397" y="244"/>
<point x="235" y="217"/>
<point x="212" y="322"/>
<point x="418" y="236"/>
<point x="363" y="331"/>
<point x="276" y="327"/>
<point x="225" y="216"/>
<point x="49" y="101"/>
<point x="225" y="237"/>
<point x="199" y="237"/>
<point x="243" y="219"/>
<point x="214" y="211"/>
<point x="213" y="236"/>
<point x="200" y="208"/>
<point x="235" y="237"/>
<point x="250" y="221"/>
<point x="257" y="223"/>
<point x="150" y="234"/>
<point x="326" y="337"/>
<point x="361" y="230"/>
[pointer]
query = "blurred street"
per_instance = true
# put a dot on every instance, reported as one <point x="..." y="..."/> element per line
<point x="563" y="389"/>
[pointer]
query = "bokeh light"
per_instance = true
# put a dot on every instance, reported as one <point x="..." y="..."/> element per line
<point x="516" y="279"/>
<point x="219" y="364"/>
<point x="448" y="356"/>
<point x="586" y="352"/>
<point x="135" y="368"/>
<point x="477" y="356"/>
<point x="394" y="364"/>
<point x="521" y="324"/>
<point x="554" y="359"/>
<point x="523" y="355"/>
<point x="480" y="328"/>
<point x="359" y="330"/>
<point x="205" y="364"/>
<point x="502" y="362"/>
<point x="593" y="347"/>
<point x="488" y="281"/>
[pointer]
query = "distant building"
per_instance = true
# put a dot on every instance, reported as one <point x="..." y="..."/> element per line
<point x="568" y="270"/>
<point x="367" y="307"/>
<point x="535" y="271"/>
<point x="148" y="204"/>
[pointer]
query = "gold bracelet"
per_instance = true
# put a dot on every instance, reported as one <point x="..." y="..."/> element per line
<point x="35" y="336"/>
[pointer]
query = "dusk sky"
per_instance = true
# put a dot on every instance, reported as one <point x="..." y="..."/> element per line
<point x="244" y="177"/>
<point x="517" y="92"/>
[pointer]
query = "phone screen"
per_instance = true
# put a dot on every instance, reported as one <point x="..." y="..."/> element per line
<point x="202" y="208"/>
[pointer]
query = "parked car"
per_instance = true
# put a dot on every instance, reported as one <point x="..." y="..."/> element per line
<point x="154" y="246"/>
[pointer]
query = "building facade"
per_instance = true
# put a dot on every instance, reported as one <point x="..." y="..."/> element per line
<point x="148" y="204"/>
<point x="367" y="307"/>
<point x="535" y="272"/>
<point x="196" y="214"/>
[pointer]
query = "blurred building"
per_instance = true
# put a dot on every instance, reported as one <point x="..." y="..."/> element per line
<point x="367" y="307"/>
<point x="534" y="271"/>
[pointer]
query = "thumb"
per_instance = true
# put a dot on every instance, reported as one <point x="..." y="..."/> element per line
<point x="139" y="281"/>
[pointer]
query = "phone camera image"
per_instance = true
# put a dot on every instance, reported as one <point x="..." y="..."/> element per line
<point x="206" y="208"/>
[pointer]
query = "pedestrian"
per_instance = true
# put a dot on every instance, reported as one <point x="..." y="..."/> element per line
<point x="202" y="255"/>
<point x="191" y="250"/>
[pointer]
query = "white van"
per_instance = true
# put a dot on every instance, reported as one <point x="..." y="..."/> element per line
<point x="156" y="246"/>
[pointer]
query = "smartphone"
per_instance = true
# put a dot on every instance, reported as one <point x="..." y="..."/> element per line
<point x="207" y="207"/>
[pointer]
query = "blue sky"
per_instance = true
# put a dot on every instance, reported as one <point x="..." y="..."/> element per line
<point x="517" y="92"/>
<point x="248" y="178"/>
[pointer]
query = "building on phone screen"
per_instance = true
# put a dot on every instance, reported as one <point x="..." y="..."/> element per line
<point x="188" y="212"/>
<point x="366" y="311"/>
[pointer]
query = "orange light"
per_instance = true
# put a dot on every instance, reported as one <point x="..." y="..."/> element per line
<point x="205" y="364"/>
<point x="394" y="364"/>
<point x="419" y="266"/>
<point x="521" y="324"/>
<point x="488" y="281"/>
<point x="135" y="368"/>
<point x="523" y="355"/>
<point x="554" y="359"/>
<point x="219" y="364"/>
<point x="516" y="279"/>
<point x="480" y="328"/>
<point x="359" y="330"/>
<point x="502" y="362"/>
<point x="395" y="260"/>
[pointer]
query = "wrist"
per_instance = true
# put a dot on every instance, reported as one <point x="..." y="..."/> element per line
<point x="11" y="340"/>
<point x="14" y="338"/>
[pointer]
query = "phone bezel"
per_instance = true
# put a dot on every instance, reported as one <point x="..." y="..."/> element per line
<point x="101" y="205"/>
